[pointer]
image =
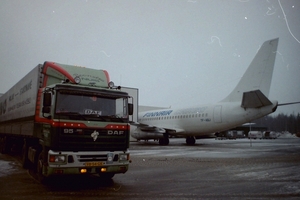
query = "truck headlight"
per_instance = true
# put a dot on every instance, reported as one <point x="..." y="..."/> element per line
<point x="123" y="157"/>
<point x="57" y="158"/>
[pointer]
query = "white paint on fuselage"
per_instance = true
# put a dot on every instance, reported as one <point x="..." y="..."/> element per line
<point x="203" y="120"/>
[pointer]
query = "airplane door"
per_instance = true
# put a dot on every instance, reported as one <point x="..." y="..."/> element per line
<point x="218" y="114"/>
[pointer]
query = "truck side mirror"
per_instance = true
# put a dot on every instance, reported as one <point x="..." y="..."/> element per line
<point x="130" y="109"/>
<point x="47" y="99"/>
<point x="47" y="104"/>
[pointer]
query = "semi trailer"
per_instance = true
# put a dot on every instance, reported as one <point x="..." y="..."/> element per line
<point x="67" y="120"/>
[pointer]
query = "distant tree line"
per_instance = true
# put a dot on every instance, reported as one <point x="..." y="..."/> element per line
<point x="281" y="122"/>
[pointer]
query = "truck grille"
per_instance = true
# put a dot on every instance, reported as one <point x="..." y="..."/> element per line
<point x="91" y="158"/>
<point x="82" y="140"/>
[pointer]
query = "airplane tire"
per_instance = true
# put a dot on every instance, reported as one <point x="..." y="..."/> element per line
<point x="164" y="141"/>
<point x="167" y="141"/>
<point x="161" y="141"/>
<point x="190" y="140"/>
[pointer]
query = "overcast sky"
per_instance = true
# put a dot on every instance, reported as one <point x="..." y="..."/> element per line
<point x="177" y="52"/>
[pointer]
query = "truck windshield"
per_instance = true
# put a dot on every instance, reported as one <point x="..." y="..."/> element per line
<point x="88" y="107"/>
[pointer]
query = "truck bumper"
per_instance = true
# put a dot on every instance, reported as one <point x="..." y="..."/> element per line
<point x="86" y="163"/>
<point x="115" y="169"/>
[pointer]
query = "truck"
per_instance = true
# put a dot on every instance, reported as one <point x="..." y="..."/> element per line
<point x="255" y="135"/>
<point x="231" y="134"/>
<point x="269" y="135"/>
<point x="240" y="134"/>
<point x="67" y="119"/>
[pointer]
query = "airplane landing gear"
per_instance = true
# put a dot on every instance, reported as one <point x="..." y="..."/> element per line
<point x="190" y="140"/>
<point x="164" y="140"/>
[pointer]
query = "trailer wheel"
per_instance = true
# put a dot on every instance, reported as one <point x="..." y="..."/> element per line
<point x="5" y="146"/>
<point x="25" y="160"/>
<point x="1" y="144"/>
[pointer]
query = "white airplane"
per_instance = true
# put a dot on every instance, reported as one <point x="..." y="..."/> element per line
<point x="248" y="101"/>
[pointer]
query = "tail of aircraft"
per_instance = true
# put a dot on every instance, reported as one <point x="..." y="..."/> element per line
<point x="253" y="89"/>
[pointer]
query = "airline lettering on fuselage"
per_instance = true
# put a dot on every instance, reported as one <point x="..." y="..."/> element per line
<point x="191" y="111"/>
<point x="158" y="114"/>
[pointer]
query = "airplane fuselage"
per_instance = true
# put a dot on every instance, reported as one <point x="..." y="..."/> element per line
<point x="201" y="120"/>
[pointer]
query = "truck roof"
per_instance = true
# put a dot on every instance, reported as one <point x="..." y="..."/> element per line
<point x="57" y="72"/>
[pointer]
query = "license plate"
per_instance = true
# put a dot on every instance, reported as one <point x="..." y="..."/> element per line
<point x="93" y="164"/>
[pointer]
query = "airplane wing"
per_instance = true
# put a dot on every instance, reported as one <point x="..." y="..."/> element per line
<point x="148" y="128"/>
<point x="158" y="130"/>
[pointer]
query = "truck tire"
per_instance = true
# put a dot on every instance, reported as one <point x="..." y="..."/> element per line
<point x="1" y="145"/>
<point x="39" y="169"/>
<point x="5" y="146"/>
<point x="106" y="176"/>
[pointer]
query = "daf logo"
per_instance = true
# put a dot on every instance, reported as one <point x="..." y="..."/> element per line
<point x="94" y="135"/>
<point x="111" y="132"/>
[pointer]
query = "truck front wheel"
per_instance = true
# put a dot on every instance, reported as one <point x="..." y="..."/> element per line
<point x="39" y="168"/>
<point x="106" y="175"/>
